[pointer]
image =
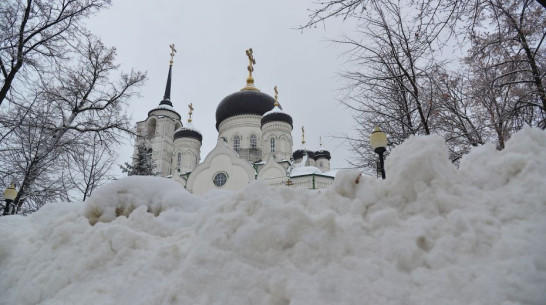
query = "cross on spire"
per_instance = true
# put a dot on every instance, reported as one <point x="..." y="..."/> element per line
<point x="190" y="106"/>
<point x="173" y="51"/>
<point x="276" y="96"/>
<point x="250" y="68"/>
<point x="167" y="97"/>
<point x="251" y="61"/>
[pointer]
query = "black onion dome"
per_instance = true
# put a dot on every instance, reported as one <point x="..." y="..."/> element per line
<point x="298" y="154"/>
<point x="277" y="116"/>
<point x="184" y="132"/>
<point x="322" y="154"/>
<point x="243" y="102"/>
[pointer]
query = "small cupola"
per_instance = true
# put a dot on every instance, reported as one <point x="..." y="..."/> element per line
<point x="188" y="131"/>
<point x="276" y="114"/>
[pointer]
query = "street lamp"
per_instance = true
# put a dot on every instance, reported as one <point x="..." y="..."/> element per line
<point x="9" y="195"/>
<point x="378" y="140"/>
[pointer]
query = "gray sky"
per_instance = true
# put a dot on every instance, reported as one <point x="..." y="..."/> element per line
<point x="211" y="38"/>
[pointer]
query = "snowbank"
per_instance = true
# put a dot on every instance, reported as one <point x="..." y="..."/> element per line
<point x="429" y="234"/>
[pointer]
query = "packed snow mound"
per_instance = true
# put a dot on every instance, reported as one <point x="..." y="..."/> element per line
<point x="122" y="197"/>
<point x="428" y="234"/>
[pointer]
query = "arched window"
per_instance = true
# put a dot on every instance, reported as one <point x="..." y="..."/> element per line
<point x="236" y="143"/>
<point x="253" y="142"/>
<point x="179" y="160"/>
<point x="321" y="164"/>
<point x="272" y="143"/>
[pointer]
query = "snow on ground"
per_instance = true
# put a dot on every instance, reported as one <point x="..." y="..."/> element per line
<point x="429" y="234"/>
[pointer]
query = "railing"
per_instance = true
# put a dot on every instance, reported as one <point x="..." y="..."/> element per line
<point x="250" y="154"/>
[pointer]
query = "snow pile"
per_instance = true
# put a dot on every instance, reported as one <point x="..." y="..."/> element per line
<point x="429" y="234"/>
<point x="122" y="197"/>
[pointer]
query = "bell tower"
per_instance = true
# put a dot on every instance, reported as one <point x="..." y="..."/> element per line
<point x="157" y="131"/>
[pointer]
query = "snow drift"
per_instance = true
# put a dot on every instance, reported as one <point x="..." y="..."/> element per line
<point x="429" y="234"/>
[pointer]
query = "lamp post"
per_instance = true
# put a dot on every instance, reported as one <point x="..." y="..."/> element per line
<point x="378" y="140"/>
<point x="9" y="195"/>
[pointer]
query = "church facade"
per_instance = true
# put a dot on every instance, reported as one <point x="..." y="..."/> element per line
<point x="254" y="142"/>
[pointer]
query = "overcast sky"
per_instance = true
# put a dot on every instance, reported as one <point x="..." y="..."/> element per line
<point x="211" y="38"/>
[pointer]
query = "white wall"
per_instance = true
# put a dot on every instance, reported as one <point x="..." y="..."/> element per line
<point x="190" y="150"/>
<point x="282" y="133"/>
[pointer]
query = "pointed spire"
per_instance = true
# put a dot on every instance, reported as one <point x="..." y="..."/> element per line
<point x="167" y="97"/>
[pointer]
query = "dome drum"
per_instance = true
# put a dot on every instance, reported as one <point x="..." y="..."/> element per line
<point x="164" y="110"/>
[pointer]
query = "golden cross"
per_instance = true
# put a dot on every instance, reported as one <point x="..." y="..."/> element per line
<point x="276" y="95"/>
<point x="251" y="61"/>
<point x="302" y="135"/>
<point x="173" y="51"/>
<point x="191" y="112"/>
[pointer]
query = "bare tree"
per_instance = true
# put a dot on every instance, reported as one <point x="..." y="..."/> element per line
<point x="29" y="161"/>
<point x="508" y="48"/>
<point x="77" y="105"/>
<point x="389" y="84"/>
<point x="397" y="82"/>
<point x="34" y="34"/>
<point x="89" y="167"/>
<point x="459" y="117"/>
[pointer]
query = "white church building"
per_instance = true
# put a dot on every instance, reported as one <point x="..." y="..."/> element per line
<point x="254" y="142"/>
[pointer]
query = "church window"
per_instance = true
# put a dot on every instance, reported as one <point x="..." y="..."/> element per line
<point x="253" y="141"/>
<point x="220" y="179"/>
<point x="236" y="143"/>
<point x="321" y="164"/>
<point x="272" y="143"/>
<point x="179" y="160"/>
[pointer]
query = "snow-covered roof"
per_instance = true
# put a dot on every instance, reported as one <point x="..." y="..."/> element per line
<point x="275" y="109"/>
<point x="276" y="115"/>
<point x="188" y="131"/>
<point x="188" y="126"/>
<point x="164" y="107"/>
<point x="305" y="170"/>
